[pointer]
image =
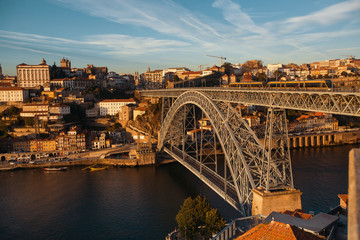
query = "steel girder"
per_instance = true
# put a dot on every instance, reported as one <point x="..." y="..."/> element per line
<point x="342" y="103"/>
<point x="278" y="160"/>
<point x="244" y="154"/>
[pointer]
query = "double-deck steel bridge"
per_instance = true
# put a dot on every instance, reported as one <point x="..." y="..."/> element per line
<point x="223" y="151"/>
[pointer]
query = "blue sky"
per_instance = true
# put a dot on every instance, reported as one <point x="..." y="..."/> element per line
<point x="130" y="35"/>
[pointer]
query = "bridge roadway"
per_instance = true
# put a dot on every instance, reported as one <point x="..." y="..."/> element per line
<point x="214" y="181"/>
<point x="328" y="101"/>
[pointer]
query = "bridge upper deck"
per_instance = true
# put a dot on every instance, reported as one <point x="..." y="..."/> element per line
<point x="327" y="100"/>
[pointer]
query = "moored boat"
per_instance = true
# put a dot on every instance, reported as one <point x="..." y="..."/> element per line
<point x="97" y="168"/>
<point x="54" y="168"/>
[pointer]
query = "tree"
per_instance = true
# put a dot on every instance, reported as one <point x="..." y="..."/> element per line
<point x="309" y="77"/>
<point x="115" y="127"/>
<point x="29" y="121"/>
<point x="228" y="68"/>
<point x="344" y="74"/>
<point x="278" y="74"/>
<point x="320" y="76"/>
<point x="175" y="78"/>
<point x="197" y="218"/>
<point x="252" y="64"/>
<point x="261" y="77"/>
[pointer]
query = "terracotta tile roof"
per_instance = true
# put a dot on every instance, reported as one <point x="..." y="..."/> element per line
<point x="344" y="197"/>
<point x="118" y="100"/>
<point x="10" y="88"/>
<point x="36" y="104"/>
<point x="141" y="108"/>
<point x="277" y="231"/>
<point x="194" y="131"/>
<point x="298" y="213"/>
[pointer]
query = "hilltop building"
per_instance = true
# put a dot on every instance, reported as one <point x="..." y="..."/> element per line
<point x="33" y="76"/>
<point x="65" y="63"/>
<point x="153" y="79"/>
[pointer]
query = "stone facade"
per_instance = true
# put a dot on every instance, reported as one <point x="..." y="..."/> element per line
<point x="33" y="76"/>
<point x="71" y="141"/>
<point x="13" y="94"/>
<point x="42" y="145"/>
<point x="113" y="106"/>
<point x="266" y="202"/>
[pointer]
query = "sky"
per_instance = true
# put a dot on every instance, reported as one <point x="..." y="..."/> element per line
<point x="131" y="35"/>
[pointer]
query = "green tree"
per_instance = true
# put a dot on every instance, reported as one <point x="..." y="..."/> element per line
<point x="228" y="68"/>
<point x="115" y="127"/>
<point x="344" y="74"/>
<point x="197" y="219"/>
<point x="309" y="77"/>
<point x="11" y="111"/>
<point x="252" y="64"/>
<point x="320" y="76"/>
<point x="278" y="74"/>
<point x="261" y="77"/>
<point x="29" y="121"/>
<point x="175" y="78"/>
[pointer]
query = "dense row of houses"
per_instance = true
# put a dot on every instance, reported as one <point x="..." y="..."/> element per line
<point x="72" y="140"/>
<point x="305" y="123"/>
<point x="35" y="76"/>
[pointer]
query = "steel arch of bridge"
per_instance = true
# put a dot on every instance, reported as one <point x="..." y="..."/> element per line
<point x="245" y="157"/>
<point x="337" y="102"/>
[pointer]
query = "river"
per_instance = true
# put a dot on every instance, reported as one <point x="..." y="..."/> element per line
<point x="139" y="203"/>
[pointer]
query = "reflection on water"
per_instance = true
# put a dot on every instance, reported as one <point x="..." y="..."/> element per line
<point x="134" y="203"/>
<point x="321" y="174"/>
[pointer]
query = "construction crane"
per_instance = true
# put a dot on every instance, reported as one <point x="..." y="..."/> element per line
<point x="222" y="58"/>
<point x="201" y="66"/>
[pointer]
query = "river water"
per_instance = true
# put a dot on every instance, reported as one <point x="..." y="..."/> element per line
<point x="139" y="203"/>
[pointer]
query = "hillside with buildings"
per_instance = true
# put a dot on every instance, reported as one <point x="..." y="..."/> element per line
<point x="51" y="101"/>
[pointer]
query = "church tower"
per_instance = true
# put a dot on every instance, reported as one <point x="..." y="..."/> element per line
<point x="65" y="63"/>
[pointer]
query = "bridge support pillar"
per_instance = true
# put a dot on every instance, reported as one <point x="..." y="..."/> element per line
<point x="265" y="202"/>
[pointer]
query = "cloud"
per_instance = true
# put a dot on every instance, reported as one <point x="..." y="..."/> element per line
<point x="164" y="17"/>
<point x="331" y="15"/>
<point x="165" y="29"/>
<point x="233" y="14"/>
<point x="124" y="44"/>
<point x="196" y="32"/>
<point x="106" y="44"/>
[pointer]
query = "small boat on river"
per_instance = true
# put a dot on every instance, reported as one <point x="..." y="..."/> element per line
<point x="97" y="168"/>
<point x="54" y="168"/>
<point x="94" y="168"/>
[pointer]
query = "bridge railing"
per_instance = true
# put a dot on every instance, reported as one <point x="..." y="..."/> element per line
<point x="238" y="226"/>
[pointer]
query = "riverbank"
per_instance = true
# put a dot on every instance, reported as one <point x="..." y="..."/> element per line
<point x="111" y="162"/>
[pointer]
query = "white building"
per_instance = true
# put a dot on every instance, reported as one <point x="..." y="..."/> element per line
<point x="271" y="68"/>
<point x="13" y="94"/>
<point x="113" y="106"/>
<point x="63" y="82"/>
<point x="139" y="111"/>
<point x="44" y="111"/>
<point x="59" y="109"/>
<point x="30" y="76"/>
<point x="92" y="112"/>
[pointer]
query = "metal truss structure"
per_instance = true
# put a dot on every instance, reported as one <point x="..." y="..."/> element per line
<point x="247" y="164"/>
<point x="243" y="168"/>
<point x="343" y="103"/>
